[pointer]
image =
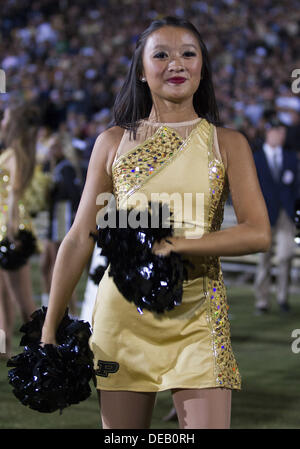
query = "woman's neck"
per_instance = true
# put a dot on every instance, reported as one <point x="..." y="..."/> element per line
<point x="172" y="117"/>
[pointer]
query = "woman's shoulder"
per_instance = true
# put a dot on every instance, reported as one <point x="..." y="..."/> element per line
<point x="108" y="142"/>
<point x="113" y="132"/>
<point x="229" y="141"/>
<point x="229" y="135"/>
<point x="110" y="136"/>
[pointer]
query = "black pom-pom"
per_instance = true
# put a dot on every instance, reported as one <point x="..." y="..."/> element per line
<point x="150" y="281"/>
<point x="97" y="274"/>
<point x="52" y="377"/>
<point x="99" y="271"/>
<point x="14" y="254"/>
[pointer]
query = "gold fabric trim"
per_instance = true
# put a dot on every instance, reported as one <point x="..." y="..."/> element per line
<point x="225" y="366"/>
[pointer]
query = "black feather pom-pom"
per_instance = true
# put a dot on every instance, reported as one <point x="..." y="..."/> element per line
<point x="52" y="377"/>
<point x="97" y="274"/>
<point x="150" y="281"/>
<point x="14" y="254"/>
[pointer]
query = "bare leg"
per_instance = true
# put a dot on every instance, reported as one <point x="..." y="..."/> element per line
<point x="207" y="408"/>
<point x="18" y="283"/>
<point x="126" y="409"/>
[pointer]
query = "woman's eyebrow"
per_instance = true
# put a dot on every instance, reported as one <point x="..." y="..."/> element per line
<point x="167" y="46"/>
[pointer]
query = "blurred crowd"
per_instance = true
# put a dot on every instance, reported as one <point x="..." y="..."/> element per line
<point x="72" y="59"/>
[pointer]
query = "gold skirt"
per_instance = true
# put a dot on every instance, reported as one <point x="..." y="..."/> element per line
<point x="187" y="347"/>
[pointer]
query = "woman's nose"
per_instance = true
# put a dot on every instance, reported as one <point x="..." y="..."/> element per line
<point x="176" y="65"/>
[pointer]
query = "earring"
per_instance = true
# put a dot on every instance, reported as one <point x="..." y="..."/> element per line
<point x="143" y="79"/>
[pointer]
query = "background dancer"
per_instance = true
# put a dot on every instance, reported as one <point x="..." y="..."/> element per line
<point x="19" y="128"/>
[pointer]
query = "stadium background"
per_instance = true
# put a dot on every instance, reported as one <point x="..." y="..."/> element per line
<point x="71" y="57"/>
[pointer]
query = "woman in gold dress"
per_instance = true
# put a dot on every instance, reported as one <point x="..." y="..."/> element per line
<point x="177" y="149"/>
<point x="17" y="164"/>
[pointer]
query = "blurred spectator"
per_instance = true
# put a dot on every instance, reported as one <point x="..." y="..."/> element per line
<point x="277" y="174"/>
<point x="287" y="104"/>
<point x="19" y="128"/>
<point x="293" y="132"/>
<point x="73" y="58"/>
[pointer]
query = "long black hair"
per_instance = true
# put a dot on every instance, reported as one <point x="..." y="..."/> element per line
<point x="134" y="101"/>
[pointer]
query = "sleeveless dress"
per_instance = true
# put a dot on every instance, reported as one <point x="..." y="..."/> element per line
<point x="189" y="346"/>
<point x="25" y="221"/>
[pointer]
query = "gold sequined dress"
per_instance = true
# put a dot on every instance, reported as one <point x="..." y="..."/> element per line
<point x="189" y="346"/>
<point x="25" y="221"/>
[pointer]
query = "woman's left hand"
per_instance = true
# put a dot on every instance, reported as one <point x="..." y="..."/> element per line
<point x="166" y="245"/>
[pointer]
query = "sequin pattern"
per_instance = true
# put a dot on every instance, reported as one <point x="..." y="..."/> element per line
<point x="133" y="168"/>
<point x="24" y="219"/>
<point x="226" y="370"/>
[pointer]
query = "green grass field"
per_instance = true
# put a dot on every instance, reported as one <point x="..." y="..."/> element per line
<point x="270" y="396"/>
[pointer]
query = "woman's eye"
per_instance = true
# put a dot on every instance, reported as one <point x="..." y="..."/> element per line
<point x="189" y="53"/>
<point x="161" y="54"/>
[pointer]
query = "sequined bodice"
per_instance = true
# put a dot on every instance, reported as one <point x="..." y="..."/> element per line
<point x="132" y="170"/>
<point x="139" y="163"/>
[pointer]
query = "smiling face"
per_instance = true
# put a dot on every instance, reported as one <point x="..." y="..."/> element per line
<point x="172" y="52"/>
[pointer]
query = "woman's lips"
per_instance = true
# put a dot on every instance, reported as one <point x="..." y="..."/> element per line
<point x="176" y="80"/>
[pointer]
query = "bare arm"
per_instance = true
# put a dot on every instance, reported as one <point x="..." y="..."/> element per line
<point x="13" y="200"/>
<point x="252" y="233"/>
<point x="77" y="246"/>
<point x="13" y="214"/>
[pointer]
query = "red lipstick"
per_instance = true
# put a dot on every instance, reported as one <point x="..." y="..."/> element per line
<point x="177" y="80"/>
